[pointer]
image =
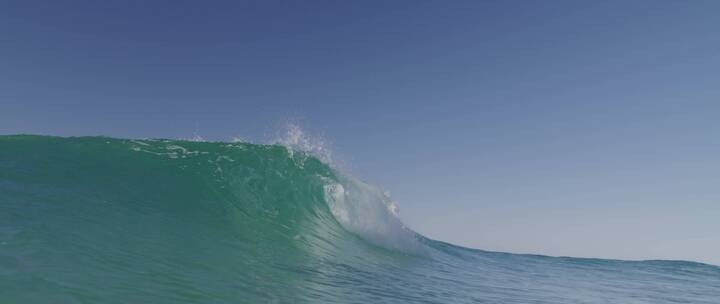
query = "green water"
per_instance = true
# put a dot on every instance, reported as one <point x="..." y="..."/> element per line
<point x="102" y="220"/>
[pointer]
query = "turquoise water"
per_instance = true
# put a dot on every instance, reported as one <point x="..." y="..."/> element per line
<point x="101" y="220"/>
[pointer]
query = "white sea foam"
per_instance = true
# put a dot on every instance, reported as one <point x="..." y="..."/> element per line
<point x="366" y="210"/>
<point x="359" y="207"/>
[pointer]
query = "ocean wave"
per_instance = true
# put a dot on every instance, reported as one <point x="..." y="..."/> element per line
<point x="104" y="220"/>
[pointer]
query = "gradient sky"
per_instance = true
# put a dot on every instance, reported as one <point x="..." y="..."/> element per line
<point x="580" y="128"/>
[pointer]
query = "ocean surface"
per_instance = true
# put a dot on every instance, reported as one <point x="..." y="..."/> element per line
<point x="103" y="220"/>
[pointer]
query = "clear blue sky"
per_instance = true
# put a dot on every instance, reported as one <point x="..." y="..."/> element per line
<point x="583" y="128"/>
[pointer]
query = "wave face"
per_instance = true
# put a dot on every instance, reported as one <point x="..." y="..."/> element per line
<point x="101" y="220"/>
